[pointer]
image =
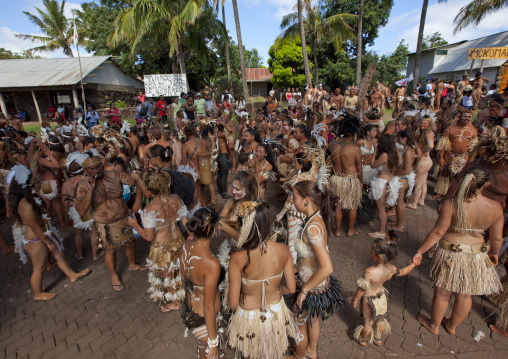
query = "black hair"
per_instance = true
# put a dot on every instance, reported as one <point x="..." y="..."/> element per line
<point x="17" y="193"/>
<point x="305" y="130"/>
<point x="190" y="130"/>
<point x="302" y="159"/>
<point x="202" y="222"/>
<point x="310" y="189"/>
<point x="58" y="147"/>
<point x="350" y="126"/>
<point x="270" y="157"/>
<point x="387" y="250"/>
<point x="165" y="153"/>
<point x="144" y="140"/>
<point x="257" y="136"/>
<point x="367" y="128"/>
<point x="259" y="231"/>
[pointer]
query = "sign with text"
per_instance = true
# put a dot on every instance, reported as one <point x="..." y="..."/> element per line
<point x="483" y="53"/>
<point x="166" y="85"/>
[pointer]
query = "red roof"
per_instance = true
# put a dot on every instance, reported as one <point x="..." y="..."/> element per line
<point x="258" y="74"/>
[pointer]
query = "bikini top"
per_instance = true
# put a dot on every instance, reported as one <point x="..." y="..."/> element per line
<point x="263" y="282"/>
<point x="365" y="151"/>
<point x="455" y="229"/>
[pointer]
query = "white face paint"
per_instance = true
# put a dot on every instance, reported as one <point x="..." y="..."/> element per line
<point x="238" y="191"/>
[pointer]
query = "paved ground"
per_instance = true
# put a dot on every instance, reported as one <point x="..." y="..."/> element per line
<point x="88" y="319"/>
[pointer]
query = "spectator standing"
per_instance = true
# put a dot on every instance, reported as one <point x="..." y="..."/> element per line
<point x="210" y="104"/>
<point x="161" y="106"/>
<point x="91" y="117"/>
<point x="113" y="115"/>
<point x="21" y="115"/>
<point x="200" y="105"/>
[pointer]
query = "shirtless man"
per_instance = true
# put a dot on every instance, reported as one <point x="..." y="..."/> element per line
<point x="479" y="79"/>
<point x="222" y="162"/>
<point x="302" y="134"/>
<point x="462" y="84"/>
<point x="190" y="155"/>
<point x="444" y="116"/>
<point x="101" y="193"/>
<point x="439" y="93"/>
<point x="399" y="95"/>
<point x="432" y="92"/>
<point x="15" y="123"/>
<point x="388" y="95"/>
<point x="337" y="98"/>
<point x="453" y="151"/>
<point x="229" y="134"/>
<point x="346" y="182"/>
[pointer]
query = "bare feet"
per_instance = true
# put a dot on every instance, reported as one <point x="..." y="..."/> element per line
<point x="360" y="342"/>
<point x="50" y="265"/>
<point x="413" y="207"/>
<point x="437" y="196"/>
<point x="378" y="342"/>
<point x="446" y="325"/>
<point x="421" y="204"/>
<point x="81" y="275"/>
<point x="100" y="253"/>
<point x="44" y="296"/>
<point x="78" y="257"/>
<point x="393" y="227"/>
<point x="8" y="249"/>
<point x="425" y="321"/>
<point x="352" y="233"/>
<point x="338" y="234"/>
<point x="118" y="287"/>
<point x="377" y="235"/>
<point x="498" y="330"/>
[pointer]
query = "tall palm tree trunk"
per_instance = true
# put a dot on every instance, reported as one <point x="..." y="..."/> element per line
<point x="314" y="50"/>
<point x="181" y="61"/>
<point x="242" y="55"/>
<point x="418" y="54"/>
<point x="228" y="66"/>
<point x="359" y="45"/>
<point x="304" y="45"/>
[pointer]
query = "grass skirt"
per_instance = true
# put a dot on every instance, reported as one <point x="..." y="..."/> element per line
<point x="347" y="189"/>
<point x="258" y="335"/>
<point x="501" y="300"/>
<point x="466" y="271"/>
<point x="321" y="301"/>
<point x="164" y="277"/>
<point x="114" y="234"/>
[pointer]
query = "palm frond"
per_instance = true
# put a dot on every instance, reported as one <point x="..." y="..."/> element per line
<point x="474" y="12"/>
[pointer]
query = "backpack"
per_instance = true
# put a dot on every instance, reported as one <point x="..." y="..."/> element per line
<point x="144" y="110"/>
<point x="422" y="90"/>
<point x="182" y="185"/>
<point x="445" y="91"/>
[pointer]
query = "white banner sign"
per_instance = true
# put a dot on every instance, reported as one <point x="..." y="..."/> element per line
<point x="165" y="85"/>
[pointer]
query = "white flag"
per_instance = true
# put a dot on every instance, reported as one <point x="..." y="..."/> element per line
<point x="75" y="33"/>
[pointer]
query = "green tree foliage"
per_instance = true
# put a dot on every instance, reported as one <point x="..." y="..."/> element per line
<point x="58" y="30"/>
<point x="375" y="16"/>
<point x="8" y="54"/>
<point x="286" y="63"/>
<point x="390" y="66"/>
<point x="434" y="40"/>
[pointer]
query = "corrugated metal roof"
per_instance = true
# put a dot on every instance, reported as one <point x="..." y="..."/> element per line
<point x="46" y="72"/>
<point x="456" y="59"/>
<point x="258" y="74"/>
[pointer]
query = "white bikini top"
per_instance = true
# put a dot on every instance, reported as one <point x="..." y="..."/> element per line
<point x="365" y="151"/>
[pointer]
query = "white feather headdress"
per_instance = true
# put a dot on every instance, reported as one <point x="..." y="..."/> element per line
<point x="21" y="174"/>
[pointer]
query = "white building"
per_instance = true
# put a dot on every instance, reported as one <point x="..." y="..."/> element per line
<point x="450" y="61"/>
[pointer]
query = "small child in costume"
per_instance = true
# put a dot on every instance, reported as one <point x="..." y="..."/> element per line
<point x="371" y="295"/>
<point x="243" y="162"/>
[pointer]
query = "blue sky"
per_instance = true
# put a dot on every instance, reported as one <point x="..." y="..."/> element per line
<point x="260" y="21"/>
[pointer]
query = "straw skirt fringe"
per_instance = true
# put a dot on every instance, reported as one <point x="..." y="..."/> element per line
<point x="375" y="333"/>
<point x="501" y="300"/>
<point x="256" y="338"/>
<point x="347" y="190"/>
<point x="442" y="184"/>
<point x="465" y="273"/>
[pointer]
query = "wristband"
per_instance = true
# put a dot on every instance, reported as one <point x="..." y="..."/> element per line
<point x="213" y="343"/>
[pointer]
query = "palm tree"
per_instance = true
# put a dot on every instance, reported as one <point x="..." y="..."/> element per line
<point x="160" y="20"/>
<point x="57" y="28"/>
<point x="418" y="54"/>
<point x="335" y="27"/>
<point x="474" y="12"/>
<point x="228" y="65"/>
<point x="242" y="55"/>
<point x="304" y="45"/>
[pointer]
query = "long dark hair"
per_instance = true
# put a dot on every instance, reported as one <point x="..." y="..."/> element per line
<point x="302" y="160"/>
<point x="202" y="222"/>
<point x="259" y="231"/>
<point x="257" y="136"/>
<point x="269" y="156"/>
<point x="408" y="135"/>
<point x="387" y="145"/>
<point x="310" y="189"/>
<point x="16" y="194"/>
<point x="165" y="153"/>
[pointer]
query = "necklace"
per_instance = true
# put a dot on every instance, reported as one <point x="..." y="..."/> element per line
<point x="307" y="220"/>
<point x="203" y="244"/>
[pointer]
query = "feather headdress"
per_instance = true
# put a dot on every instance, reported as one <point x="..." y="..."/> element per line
<point x="23" y="176"/>
<point x="247" y="211"/>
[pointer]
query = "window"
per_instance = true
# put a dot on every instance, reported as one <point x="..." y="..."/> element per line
<point x="441" y="52"/>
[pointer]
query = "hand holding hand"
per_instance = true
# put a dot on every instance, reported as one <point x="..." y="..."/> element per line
<point x="417" y="258"/>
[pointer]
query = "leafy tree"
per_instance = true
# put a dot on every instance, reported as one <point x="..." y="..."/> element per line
<point x="317" y="28"/>
<point x="286" y="63"/>
<point x="375" y="16"/>
<point x="58" y="29"/>
<point x="434" y="40"/>
<point x="390" y="66"/>
<point x="8" y="54"/>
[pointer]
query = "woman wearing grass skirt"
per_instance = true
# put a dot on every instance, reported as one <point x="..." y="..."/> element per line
<point x="318" y="292"/>
<point x="262" y="322"/>
<point x="462" y="263"/>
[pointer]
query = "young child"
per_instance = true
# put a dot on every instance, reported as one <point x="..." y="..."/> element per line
<point x="371" y="295"/>
<point x="243" y="162"/>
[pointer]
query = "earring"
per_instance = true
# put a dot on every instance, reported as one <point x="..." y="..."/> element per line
<point x="305" y="203"/>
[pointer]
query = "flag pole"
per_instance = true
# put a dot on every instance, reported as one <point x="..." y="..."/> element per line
<point x="76" y="42"/>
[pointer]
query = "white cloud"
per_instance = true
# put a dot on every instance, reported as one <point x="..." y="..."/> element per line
<point x="9" y="42"/>
<point x="439" y="18"/>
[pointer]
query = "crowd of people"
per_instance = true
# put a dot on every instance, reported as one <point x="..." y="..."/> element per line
<point x="324" y="156"/>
